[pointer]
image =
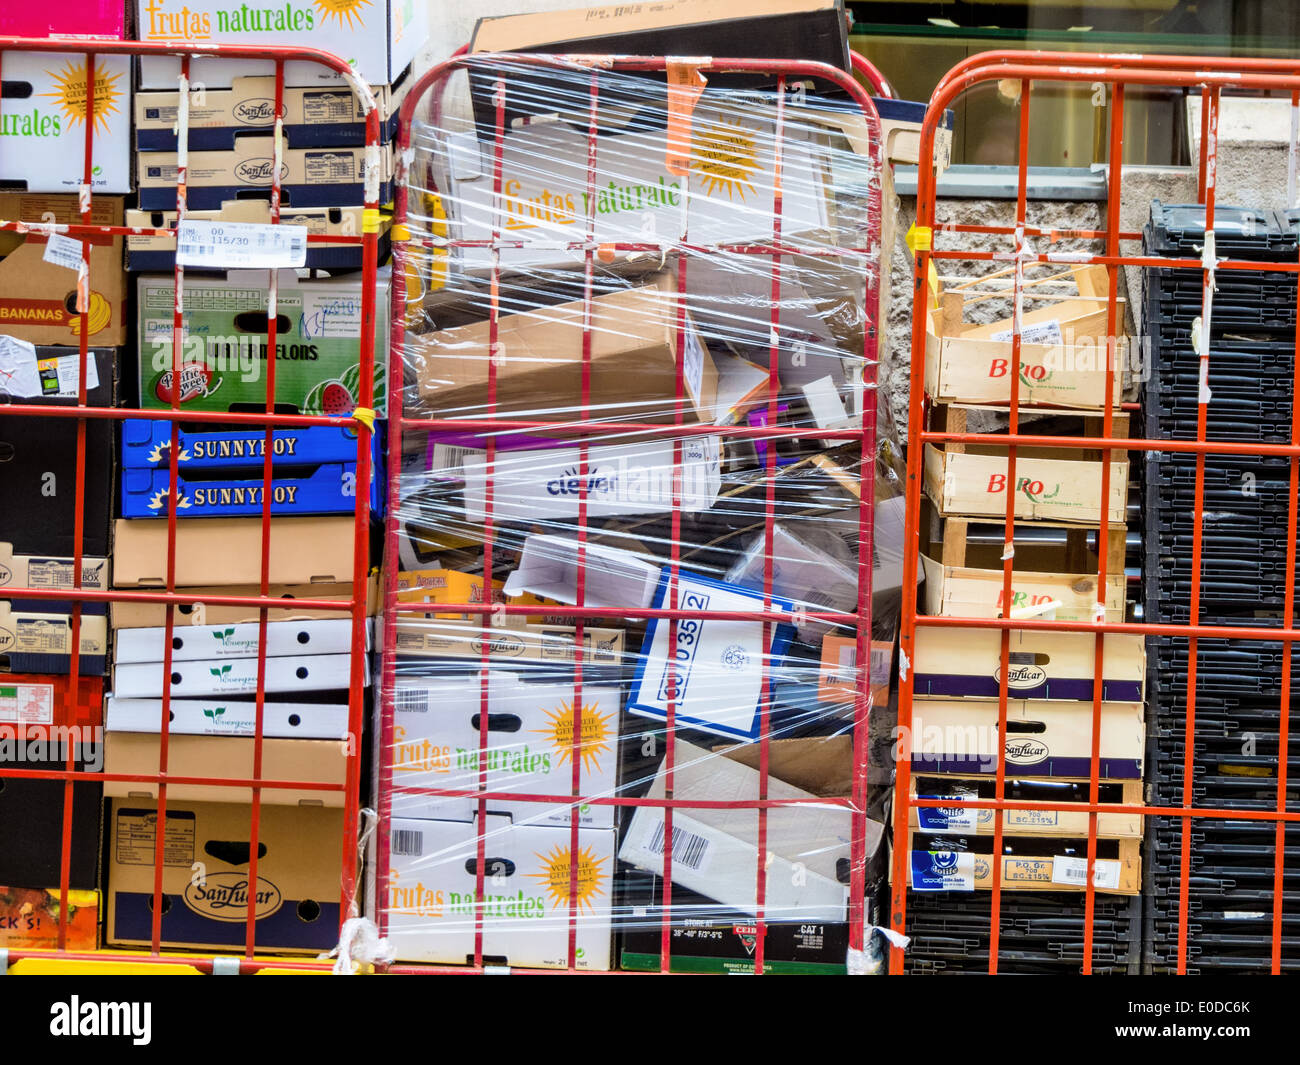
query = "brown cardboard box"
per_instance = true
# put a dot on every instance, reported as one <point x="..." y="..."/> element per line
<point x="539" y="361"/>
<point x="228" y="551"/>
<point x="228" y="757"/>
<point x="154" y="615"/>
<point x="38" y="299"/>
<point x="444" y="638"/>
<point x="206" y="847"/>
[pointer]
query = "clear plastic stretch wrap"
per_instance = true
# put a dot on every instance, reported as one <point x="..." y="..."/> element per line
<point x="638" y="398"/>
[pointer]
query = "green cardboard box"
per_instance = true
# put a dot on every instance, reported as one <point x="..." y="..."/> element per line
<point x="224" y="350"/>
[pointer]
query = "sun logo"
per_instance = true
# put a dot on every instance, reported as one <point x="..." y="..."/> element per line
<point x="554" y="877"/>
<point x="69" y="94"/>
<point x="597" y="731"/>
<point x="725" y="157"/>
<point x="344" y="9"/>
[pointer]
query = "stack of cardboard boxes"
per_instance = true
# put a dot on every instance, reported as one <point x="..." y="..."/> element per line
<point x="1053" y="542"/>
<point x="679" y="328"/>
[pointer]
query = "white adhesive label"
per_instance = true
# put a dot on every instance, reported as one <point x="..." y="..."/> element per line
<point x="1042" y="333"/>
<point x="60" y="376"/>
<point x="27" y="704"/>
<point x="1067" y="870"/>
<point x="241" y="245"/>
<point x="19" y="376"/>
<point x="63" y="251"/>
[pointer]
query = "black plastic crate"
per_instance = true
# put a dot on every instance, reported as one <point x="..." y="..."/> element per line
<point x="1178" y="231"/>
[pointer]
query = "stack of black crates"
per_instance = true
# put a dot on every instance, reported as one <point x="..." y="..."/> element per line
<point x="1244" y="533"/>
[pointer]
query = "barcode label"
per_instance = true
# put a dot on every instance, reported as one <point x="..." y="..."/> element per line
<point x="411" y="700"/>
<point x="450" y="458"/>
<point x="408" y="842"/>
<point x="689" y="849"/>
<point x="62" y="251"/>
<point x="1074" y="871"/>
<point x="240" y="244"/>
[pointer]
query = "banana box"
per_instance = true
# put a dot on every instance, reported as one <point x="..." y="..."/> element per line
<point x="39" y="271"/>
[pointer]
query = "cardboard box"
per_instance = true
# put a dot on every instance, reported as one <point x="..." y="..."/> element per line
<point x="318" y="343"/>
<point x="708" y="937"/>
<point x="40" y="717"/>
<point x="1044" y="738"/>
<point x="29" y="919"/>
<point x="146" y="444"/>
<point x="328" y="488"/>
<point x="320" y="117"/>
<point x="42" y="571"/>
<point x="524" y="914"/>
<point x="226" y="757"/>
<point x="43" y="121"/>
<point x="235" y="676"/>
<point x="429" y="638"/>
<point x="229" y="717"/>
<point x="540" y="359"/>
<point x="190" y="642"/>
<point x="309" y="177"/>
<point x="964" y="592"/>
<point x="719" y="665"/>
<point x="37" y="481"/>
<point x="715" y="851"/>
<point x="1065" y="820"/>
<point x="1062" y="491"/>
<point x="298" y="875"/>
<point x="810" y="566"/>
<point x="529" y="747"/>
<point x="839" y="677"/>
<point x="439" y="587"/>
<point x="620" y="479"/>
<point x="548" y="567"/>
<point x="77" y="18"/>
<point x="158" y="253"/>
<point x="1032" y="864"/>
<point x="197" y="612"/>
<point x="39" y="302"/>
<point x="378" y="40"/>
<point x="36" y="637"/>
<point x="900" y="126"/>
<point x="814" y="30"/>
<point x="1063" y="349"/>
<point x="304" y="551"/>
<point x="967" y="663"/>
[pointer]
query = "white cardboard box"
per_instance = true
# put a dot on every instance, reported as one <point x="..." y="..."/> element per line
<point x="45" y="128"/>
<point x="190" y="643"/>
<point x="229" y="717"/>
<point x="529" y="747"/>
<point x="621" y="479"/>
<point x="715" y="851"/>
<point x="548" y="567"/>
<point x="432" y="908"/>
<point x="379" y="38"/>
<point x="235" y="676"/>
<point x="719" y="663"/>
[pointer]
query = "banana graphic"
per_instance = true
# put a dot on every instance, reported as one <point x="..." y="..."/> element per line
<point x="100" y="315"/>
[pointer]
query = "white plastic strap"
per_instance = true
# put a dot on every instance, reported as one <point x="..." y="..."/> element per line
<point x="896" y="939"/>
<point x="83" y="198"/>
<point x="225" y="966"/>
<point x="372" y="173"/>
<point x="1098" y="613"/>
<point x="1197" y="344"/>
<point x="1203" y="393"/>
<point x="1035" y="610"/>
<point x="4" y="961"/>
<point x="903" y="664"/>
<point x="859" y="963"/>
<point x="1008" y="550"/>
<point x="183" y="124"/>
<point x="496" y="970"/>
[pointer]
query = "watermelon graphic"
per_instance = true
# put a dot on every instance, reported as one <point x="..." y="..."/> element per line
<point x="335" y="400"/>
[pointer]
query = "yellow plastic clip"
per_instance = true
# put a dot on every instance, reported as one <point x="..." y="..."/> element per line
<point x="920" y="238"/>
<point x="370" y="220"/>
<point x="366" y="416"/>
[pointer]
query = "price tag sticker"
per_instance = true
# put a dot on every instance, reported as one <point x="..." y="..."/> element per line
<point x="242" y="245"/>
<point x="63" y="251"/>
